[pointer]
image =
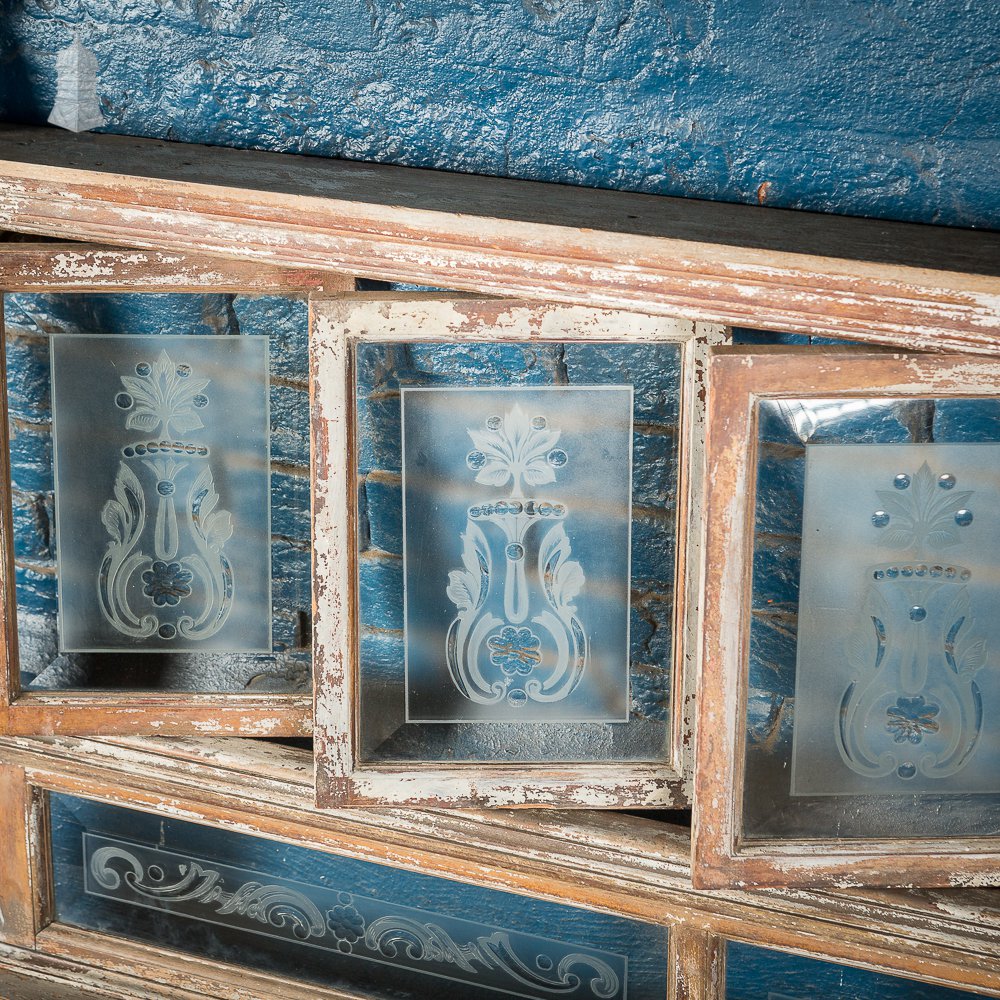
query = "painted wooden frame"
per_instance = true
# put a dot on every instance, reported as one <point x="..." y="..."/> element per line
<point x="69" y="267"/>
<point x="740" y="378"/>
<point x="927" y="287"/>
<point x="337" y="326"/>
<point x="624" y="865"/>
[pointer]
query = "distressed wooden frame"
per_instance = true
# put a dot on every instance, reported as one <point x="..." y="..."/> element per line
<point x="342" y="779"/>
<point x="738" y="379"/>
<point x="927" y="287"/>
<point x="54" y="268"/>
<point x="625" y="865"/>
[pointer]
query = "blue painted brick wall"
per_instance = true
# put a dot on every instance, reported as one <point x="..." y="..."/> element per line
<point x="887" y="110"/>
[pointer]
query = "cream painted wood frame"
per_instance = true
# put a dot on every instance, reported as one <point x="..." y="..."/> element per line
<point x="739" y="378"/>
<point x="59" y="268"/>
<point x="337" y="325"/>
<point x="620" y="864"/>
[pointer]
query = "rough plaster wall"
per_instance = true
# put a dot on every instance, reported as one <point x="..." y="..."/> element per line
<point x="886" y="108"/>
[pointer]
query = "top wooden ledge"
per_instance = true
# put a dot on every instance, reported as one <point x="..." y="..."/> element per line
<point x="742" y="265"/>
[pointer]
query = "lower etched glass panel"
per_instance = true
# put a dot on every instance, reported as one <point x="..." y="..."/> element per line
<point x="754" y="973"/>
<point x="333" y="920"/>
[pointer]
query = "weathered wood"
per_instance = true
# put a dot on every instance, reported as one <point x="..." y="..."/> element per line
<point x="336" y="325"/>
<point x="887" y="282"/>
<point x="107" y="712"/>
<point x="17" y="912"/>
<point x="697" y="965"/>
<point x="82" y="267"/>
<point x="740" y="377"/>
<point x="623" y="864"/>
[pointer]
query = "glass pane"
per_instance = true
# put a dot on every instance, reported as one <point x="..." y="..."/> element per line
<point x="527" y="492"/>
<point x="875" y="556"/>
<point x="162" y="520"/>
<point x="754" y="973"/>
<point x="336" y="921"/>
<point x="168" y="606"/>
<point x="516" y="565"/>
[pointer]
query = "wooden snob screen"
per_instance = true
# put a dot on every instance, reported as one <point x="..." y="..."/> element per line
<point x="156" y="517"/>
<point x="848" y="723"/>
<point x="503" y="520"/>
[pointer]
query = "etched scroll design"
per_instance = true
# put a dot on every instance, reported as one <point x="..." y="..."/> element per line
<point x="493" y="653"/>
<point x="391" y="937"/>
<point x="913" y="706"/>
<point x="164" y="399"/>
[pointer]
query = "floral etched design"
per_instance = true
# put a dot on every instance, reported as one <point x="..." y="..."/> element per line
<point x="515" y="650"/>
<point x="515" y="447"/>
<point x="167" y="583"/>
<point x="164" y="395"/>
<point x="922" y="510"/>
<point x="910" y="718"/>
<point x="345" y="923"/>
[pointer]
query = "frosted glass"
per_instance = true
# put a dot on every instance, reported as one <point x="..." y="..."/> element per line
<point x="162" y="493"/>
<point x="369" y="929"/>
<point x="897" y="620"/>
<point x="517" y="517"/>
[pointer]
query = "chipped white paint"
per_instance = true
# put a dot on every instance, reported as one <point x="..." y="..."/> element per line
<point x="341" y="779"/>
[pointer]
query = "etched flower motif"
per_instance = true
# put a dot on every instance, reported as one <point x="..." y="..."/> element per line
<point x="910" y="718"/>
<point x="163" y="395"/>
<point x="515" y="650"/>
<point x="345" y="923"/>
<point x="515" y="449"/>
<point x="167" y="583"/>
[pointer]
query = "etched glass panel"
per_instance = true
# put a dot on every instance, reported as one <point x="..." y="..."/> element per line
<point x="873" y="689"/>
<point x="587" y="571"/>
<point x="517" y="506"/>
<point x="161" y="320"/>
<point x="754" y="973"/>
<point x="162" y="493"/>
<point x="344" y="923"/>
<point x="899" y="586"/>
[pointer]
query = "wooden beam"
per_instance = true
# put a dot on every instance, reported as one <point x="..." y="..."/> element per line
<point x="927" y="287"/>
<point x="83" y="267"/>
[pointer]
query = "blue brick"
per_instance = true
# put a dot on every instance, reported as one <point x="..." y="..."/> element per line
<point x="290" y="426"/>
<point x="382" y="656"/>
<point x="291" y="577"/>
<point x="780" y="490"/>
<point x="967" y="420"/>
<point x="384" y="511"/>
<point x="776" y="566"/>
<point x="34" y="526"/>
<point x="652" y="548"/>
<point x="380" y="592"/>
<point x="36" y="591"/>
<point x="31" y="459"/>
<point x="652" y="369"/>
<point x="29" y="378"/>
<point x="773" y="652"/>
<point x="654" y="469"/>
<point x="290" y="506"/>
<point x="379" y="435"/>
<point x="286" y="322"/>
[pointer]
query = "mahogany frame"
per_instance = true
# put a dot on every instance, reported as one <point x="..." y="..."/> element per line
<point x="625" y="865"/>
<point x="738" y="379"/>
<point x="67" y="267"/>
<point x="341" y="778"/>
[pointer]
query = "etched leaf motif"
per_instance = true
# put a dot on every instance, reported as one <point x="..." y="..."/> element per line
<point x="141" y="420"/>
<point x="186" y="421"/>
<point x="514" y="447"/>
<point x="218" y="528"/>
<point x="113" y="518"/>
<point x="467" y="588"/>
<point x="563" y="577"/>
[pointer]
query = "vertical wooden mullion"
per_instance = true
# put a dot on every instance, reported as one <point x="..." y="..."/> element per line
<point x="10" y="676"/>
<point x="697" y="964"/>
<point x="17" y="910"/>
